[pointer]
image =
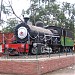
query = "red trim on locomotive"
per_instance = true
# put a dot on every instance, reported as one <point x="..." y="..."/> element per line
<point x="27" y="48"/>
<point x="8" y="38"/>
<point x="17" y="47"/>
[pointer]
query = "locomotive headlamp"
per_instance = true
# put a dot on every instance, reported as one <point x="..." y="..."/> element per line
<point x="22" y="32"/>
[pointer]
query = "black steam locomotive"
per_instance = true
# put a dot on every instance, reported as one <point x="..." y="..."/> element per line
<point x="37" y="39"/>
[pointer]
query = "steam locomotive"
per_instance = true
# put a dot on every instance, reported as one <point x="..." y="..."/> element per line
<point x="38" y="39"/>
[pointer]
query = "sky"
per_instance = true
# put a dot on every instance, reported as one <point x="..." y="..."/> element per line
<point x="18" y="5"/>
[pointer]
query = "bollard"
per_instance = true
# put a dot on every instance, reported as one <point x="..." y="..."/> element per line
<point x="49" y="52"/>
<point x="36" y="53"/>
<point x="59" y="52"/>
<point x="72" y="51"/>
<point x="66" y="52"/>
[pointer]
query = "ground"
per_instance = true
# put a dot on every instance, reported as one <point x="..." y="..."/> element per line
<point x="66" y="71"/>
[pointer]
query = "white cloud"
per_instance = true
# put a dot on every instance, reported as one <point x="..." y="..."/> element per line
<point x="18" y="5"/>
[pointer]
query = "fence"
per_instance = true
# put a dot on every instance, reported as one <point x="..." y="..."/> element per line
<point x="36" y="56"/>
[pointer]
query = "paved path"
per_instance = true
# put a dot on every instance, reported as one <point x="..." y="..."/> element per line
<point x="66" y="71"/>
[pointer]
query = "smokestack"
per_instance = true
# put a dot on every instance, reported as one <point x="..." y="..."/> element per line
<point x="26" y="19"/>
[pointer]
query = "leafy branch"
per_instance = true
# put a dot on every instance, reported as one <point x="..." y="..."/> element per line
<point x="14" y="12"/>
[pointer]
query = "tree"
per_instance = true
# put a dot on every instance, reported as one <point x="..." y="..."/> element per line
<point x="69" y="10"/>
<point x="11" y="23"/>
<point x="39" y="12"/>
<point x="7" y="9"/>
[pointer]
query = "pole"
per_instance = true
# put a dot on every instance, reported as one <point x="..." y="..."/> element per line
<point x="3" y="38"/>
<point x="59" y="52"/>
<point x="49" y="52"/>
<point x="39" y="2"/>
<point x="1" y="11"/>
<point x="0" y="18"/>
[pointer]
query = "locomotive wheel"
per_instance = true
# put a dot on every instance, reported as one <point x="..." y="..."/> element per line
<point x="34" y="51"/>
<point x="12" y="52"/>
